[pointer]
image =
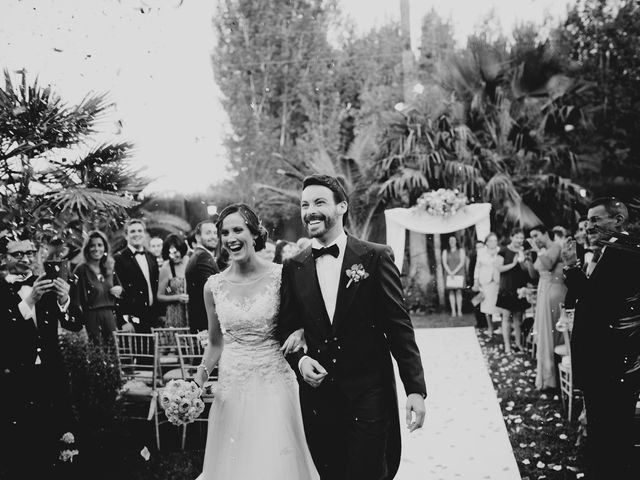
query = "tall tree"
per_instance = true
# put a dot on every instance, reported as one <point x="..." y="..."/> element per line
<point x="274" y="66"/>
<point x="603" y="39"/>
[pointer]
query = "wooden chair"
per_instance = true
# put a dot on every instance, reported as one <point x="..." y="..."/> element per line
<point x="169" y="361"/>
<point x="191" y="351"/>
<point x="530" y="341"/>
<point x="137" y="355"/>
<point x="564" y="371"/>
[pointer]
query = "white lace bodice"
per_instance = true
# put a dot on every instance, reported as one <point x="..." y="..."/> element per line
<point x="247" y="313"/>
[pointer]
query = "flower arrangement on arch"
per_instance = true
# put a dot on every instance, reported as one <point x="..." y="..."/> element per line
<point x="442" y="202"/>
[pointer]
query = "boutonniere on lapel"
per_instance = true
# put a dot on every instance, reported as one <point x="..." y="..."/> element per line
<point x="356" y="273"/>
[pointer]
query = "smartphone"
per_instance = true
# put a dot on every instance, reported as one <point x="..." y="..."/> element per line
<point x="56" y="269"/>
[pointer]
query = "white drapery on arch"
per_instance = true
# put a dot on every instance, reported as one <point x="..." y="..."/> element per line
<point x="399" y="220"/>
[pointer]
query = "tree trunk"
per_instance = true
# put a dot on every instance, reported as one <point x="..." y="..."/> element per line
<point x="437" y="247"/>
<point x="419" y="263"/>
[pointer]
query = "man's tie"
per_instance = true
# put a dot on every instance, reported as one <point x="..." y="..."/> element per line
<point x="332" y="250"/>
<point x="592" y="264"/>
<point x="139" y="252"/>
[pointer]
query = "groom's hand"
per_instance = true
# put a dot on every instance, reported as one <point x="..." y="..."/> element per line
<point x="416" y="411"/>
<point x="312" y="372"/>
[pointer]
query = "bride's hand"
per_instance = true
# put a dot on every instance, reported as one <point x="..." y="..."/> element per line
<point x="294" y="342"/>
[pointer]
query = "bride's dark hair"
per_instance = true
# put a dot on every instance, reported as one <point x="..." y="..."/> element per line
<point x="251" y="220"/>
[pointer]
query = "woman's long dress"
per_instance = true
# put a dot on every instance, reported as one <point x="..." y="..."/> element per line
<point x="551" y="293"/>
<point x="488" y="280"/>
<point x="255" y="424"/>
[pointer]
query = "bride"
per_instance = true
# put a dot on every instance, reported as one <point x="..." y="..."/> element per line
<point x="255" y="425"/>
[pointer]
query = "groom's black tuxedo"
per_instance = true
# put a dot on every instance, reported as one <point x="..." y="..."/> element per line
<point x="600" y="354"/>
<point x="356" y="400"/>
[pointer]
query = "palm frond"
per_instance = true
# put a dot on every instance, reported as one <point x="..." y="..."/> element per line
<point x="403" y="181"/>
<point x="84" y="201"/>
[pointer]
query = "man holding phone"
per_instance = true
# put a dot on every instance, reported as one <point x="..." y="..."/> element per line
<point x="37" y="412"/>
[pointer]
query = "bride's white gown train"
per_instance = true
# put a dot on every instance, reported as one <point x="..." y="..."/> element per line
<point x="255" y="425"/>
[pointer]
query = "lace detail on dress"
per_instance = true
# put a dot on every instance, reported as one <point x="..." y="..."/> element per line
<point x="248" y="323"/>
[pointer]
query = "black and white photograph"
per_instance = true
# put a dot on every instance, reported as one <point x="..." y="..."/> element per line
<point x="320" y="239"/>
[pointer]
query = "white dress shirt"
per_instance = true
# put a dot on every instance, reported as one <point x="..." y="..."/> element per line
<point x="144" y="266"/>
<point x="329" y="269"/>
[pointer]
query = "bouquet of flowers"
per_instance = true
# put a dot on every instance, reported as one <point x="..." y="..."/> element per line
<point x="442" y="202"/>
<point x="181" y="401"/>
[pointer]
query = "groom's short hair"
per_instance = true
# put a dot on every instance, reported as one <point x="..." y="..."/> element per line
<point x="332" y="183"/>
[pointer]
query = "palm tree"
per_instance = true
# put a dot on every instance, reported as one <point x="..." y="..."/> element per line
<point x="39" y="184"/>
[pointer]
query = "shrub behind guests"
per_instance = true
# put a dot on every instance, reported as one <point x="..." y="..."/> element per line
<point x="94" y="381"/>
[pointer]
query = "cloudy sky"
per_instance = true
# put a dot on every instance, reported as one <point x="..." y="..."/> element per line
<point x="155" y="65"/>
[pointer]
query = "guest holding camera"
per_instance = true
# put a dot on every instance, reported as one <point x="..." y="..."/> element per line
<point x="34" y="408"/>
<point x="602" y="353"/>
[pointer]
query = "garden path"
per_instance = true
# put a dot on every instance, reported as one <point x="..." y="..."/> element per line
<point x="464" y="436"/>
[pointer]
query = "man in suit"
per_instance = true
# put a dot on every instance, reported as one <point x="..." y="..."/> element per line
<point x="202" y="264"/>
<point x="600" y="353"/>
<point x="35" y="407"/>
<point x="346" y="294"/>
<point x="137" y="272"/>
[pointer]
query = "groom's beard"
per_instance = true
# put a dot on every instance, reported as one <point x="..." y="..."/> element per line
<point x="328" y="224"/>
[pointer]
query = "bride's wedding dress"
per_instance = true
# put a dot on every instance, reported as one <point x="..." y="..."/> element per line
<point x="255" y="424"/>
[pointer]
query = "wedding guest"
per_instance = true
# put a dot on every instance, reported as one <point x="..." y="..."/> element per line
<point x="155" y="247"/>
<point x="172" y="288"/>
<point x="487" y="279"/>
<point x="137" y="271"/>
<point x="202" y="264"/>
<point x="548" y="268"/>
<point x="560" y="235"/>
<point x="97" y="289"/>
<point x="510" y="263"/>
<point x="582" y="245"/>
<point x="35" y="404"/>
<point x="454" y="261"/>
<point x="481" y="319"/>
<point x="284" y="250"/>
<point x="601" y="354"/>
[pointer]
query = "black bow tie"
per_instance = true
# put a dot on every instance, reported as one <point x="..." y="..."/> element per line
<point x="139" y="252"/>
<point x="332" y="250"/>
<point x="20" y="282"/>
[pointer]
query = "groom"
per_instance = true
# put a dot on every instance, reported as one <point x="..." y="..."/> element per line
<point x="346" y="294"/>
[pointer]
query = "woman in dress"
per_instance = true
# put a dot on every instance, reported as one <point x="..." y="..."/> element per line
<point x="551" y="292"/>
<point x="172" y="288"/>
<point x="486" y="279"/>
<point x="454" y="261"/>
<point x="255" y="424"/>
<point x="510" y="263"/>
<point x="96" y="291"/>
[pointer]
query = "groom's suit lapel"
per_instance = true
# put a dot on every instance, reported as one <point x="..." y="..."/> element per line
<point x="355" y="253"/>
<point x="307" y="283"/>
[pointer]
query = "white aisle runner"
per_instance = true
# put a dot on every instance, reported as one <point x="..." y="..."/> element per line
<point x="464" y="436"/>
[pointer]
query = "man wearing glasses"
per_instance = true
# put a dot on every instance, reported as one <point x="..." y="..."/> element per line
<point x="36" y="411"/>
<point x="607" y="294"/>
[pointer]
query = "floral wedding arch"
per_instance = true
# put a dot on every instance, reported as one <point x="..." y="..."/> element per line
<point x="436" y="212"/>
